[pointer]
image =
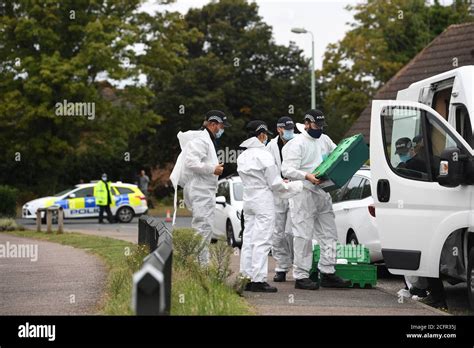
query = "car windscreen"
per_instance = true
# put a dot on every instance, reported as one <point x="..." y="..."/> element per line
<point x="238" y="191"/>
<point x="63" y="192"/>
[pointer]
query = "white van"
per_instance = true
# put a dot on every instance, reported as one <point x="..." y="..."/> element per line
<point x="422" y="164"/>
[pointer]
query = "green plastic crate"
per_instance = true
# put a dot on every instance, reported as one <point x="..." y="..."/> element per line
<point x="344" y="161"/>
<point x="352" y="253"/>
<point x="362" y="274"/>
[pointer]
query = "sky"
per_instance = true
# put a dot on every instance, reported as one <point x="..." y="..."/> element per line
<point x="326" y="19"/>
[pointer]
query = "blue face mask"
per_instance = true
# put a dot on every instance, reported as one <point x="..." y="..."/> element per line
<point x="405" y="157"/>
<point x="315" y="133"/>
<point x="219" y="133"/>
<point x="288" y="134"/>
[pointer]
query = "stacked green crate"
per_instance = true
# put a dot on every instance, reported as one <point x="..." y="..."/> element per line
<point x="344" y="161"/>
<point x="358" y="269"/>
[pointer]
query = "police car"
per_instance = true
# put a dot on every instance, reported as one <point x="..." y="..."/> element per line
<point x="79" y="202"/>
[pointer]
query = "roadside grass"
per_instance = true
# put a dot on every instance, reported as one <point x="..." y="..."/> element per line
<point x="195" y="290"/>
<point x="203" y="290"/>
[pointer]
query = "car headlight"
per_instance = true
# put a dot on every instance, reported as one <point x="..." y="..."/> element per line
<point x="239" y="215"/>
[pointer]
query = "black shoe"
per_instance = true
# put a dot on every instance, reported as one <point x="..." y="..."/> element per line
<point x="279" y="277"/>
<point x="435" y="302"/>
<point x="306" y="284"/>
<point x="262" y="287"/>
<point x="418" y="292"/>
<point x="333" y="281"/>
<point x="248" y="286"/>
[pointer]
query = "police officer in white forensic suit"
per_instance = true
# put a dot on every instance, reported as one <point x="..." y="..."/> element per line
<point x="311" y="210"/>
<point x="197" y="170"/>
<point x="260" y="179"/>
<point x="282" y="240"/>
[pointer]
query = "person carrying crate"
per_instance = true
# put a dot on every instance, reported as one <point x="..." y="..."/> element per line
<point x="311" y="210"/>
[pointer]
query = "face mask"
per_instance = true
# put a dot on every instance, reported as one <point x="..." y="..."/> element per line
<point x="315" y="133"/>
<point x="219" y="133"/>
<point x="288" y="134"/>
<point x="104" y="178"/>
<point x="405" y="157"/>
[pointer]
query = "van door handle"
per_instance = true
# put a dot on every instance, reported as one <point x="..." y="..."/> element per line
<point x="383" y="190"/>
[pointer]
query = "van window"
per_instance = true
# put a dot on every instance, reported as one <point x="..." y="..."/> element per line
<point x="403" y="136"/>
<point x="463" y="124"/>
<point x="438" y="141"/>
<point x="441" y="102"/>
<point x="413" y="156"/>
<point x="353" y="190"/>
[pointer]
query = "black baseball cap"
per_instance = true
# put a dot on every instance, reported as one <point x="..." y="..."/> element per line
<point x="217" y="116"/>
<point x="402" y="145"/>
<point x="316" y="116"/>
<point x="257" y="126"/>
<point x="286" y="122"/>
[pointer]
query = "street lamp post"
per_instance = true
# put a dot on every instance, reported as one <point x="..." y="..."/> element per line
<point x="313" y="83"/>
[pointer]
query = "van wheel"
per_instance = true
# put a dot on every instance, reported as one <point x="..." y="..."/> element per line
<point x="470" y="277"/>
<point x="352" y="238"/>
<point x="229" y="231"/>
<point x="125" y="214"/>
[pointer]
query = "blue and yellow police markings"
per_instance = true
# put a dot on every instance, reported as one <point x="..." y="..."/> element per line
<point x="122" y="200"/>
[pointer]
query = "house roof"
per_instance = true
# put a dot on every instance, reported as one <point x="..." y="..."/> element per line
<point x="454" y="45"/>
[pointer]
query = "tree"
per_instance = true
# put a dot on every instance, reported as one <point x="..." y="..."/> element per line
<point x="233" y="64"/>
<point x="56" y="51"/>
<point x="385" y="35"/>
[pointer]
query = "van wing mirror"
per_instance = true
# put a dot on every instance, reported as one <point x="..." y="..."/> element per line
<point x="451" y="167"/>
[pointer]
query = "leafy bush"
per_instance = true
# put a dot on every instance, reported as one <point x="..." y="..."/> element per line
<point x="8" y="197"/>
<point x="9" y="225"/>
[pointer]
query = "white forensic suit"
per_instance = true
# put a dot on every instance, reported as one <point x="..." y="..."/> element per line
<point x="282" y="240"/>
<point x="260" y="178"/>
<point x="194" y="171"/>
<point x="311" y="210"/>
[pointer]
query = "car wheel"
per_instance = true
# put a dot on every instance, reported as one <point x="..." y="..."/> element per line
<point x="470" y="277"/>
<point x="125" y="214"/>
<point x="229" y="230"/>
<point x="352" y="238"/>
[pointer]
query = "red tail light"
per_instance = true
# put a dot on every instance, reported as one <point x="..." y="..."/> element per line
<point x="372" y="210"/>
<point x="143" y="198"/>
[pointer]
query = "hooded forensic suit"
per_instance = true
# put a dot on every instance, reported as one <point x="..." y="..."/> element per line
<point x="282" y="240"/>
<point x="260" y="178"/>
<point x="311" y="210"/>
<point x="194" y="171"/>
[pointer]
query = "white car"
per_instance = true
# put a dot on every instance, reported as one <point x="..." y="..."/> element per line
<point x="354" y="209"/>
<point x="79" y="202"/>
<point x="229" y="205"/>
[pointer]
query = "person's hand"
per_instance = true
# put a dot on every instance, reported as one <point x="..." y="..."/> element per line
<point x="312" y="178"/>
<point x="219" y="169"/>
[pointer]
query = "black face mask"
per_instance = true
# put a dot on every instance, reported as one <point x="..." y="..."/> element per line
<point x="315" y="133"/>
